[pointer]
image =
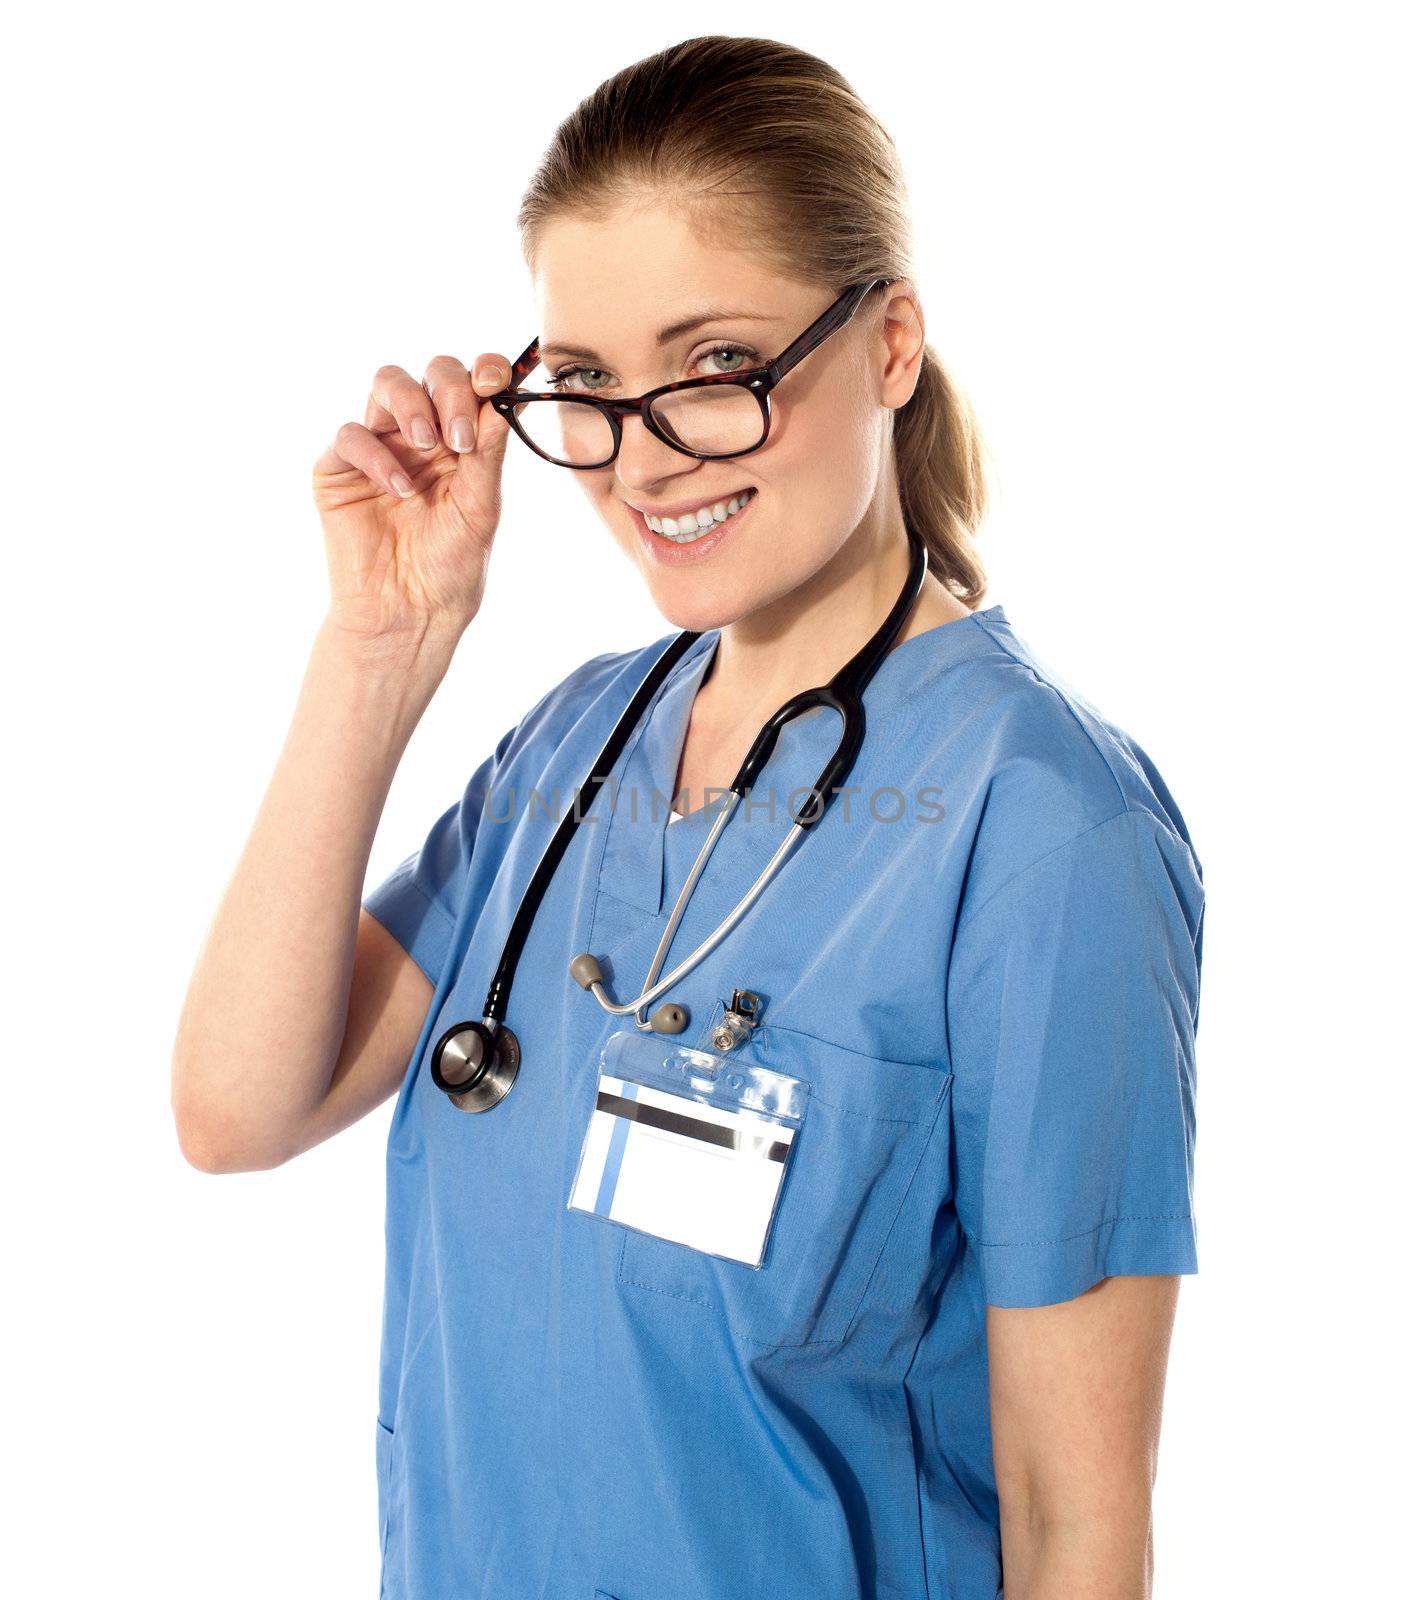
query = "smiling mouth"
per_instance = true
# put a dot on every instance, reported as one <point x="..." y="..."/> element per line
<point x="720" y="512"/>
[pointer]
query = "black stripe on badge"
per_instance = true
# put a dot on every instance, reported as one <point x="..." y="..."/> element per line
<point x="692" y="1127"/>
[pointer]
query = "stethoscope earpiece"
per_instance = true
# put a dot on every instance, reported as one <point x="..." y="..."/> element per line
<point x="667" y="1018"/>
<point x="585" y="970"/>
<point x="670" y="1018"/>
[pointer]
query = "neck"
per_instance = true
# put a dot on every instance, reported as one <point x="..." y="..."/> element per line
<point x="802" y="639"/>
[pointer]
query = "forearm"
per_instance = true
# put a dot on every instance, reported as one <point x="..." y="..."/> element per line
<point x="264" y="1016"/>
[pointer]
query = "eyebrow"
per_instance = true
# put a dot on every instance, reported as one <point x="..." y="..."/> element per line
<point x="672" y="332"/>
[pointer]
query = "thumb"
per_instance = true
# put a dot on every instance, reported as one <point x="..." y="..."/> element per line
<point x="491" y="430"/>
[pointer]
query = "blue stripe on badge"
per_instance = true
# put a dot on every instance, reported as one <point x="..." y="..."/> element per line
<point x="615" y="1150"/>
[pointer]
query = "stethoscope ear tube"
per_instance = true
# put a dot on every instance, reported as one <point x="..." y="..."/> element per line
<point x="844" y="694"/>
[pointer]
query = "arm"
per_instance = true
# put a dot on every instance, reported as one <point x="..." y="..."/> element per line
<point x="300" y="1015"/>
<point x="302" y="1010"/>
<point x="1076" y="1392"/>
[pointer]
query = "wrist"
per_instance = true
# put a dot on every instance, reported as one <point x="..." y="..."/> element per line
<point x="421" y="650"/>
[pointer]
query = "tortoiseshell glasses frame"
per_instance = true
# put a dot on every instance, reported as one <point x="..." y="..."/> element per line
<point x="758" y="381"/>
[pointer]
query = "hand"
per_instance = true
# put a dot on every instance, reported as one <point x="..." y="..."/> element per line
<point x="401" y="563"/>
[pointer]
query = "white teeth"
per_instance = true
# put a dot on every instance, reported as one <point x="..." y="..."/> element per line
<point x="690" y="527"/>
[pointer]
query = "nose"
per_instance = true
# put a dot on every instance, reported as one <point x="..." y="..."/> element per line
<point x="644" y="461"/>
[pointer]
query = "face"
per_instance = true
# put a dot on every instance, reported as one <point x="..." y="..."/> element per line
<point x="822" y="476"/>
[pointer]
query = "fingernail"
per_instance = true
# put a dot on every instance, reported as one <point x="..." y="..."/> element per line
<point x="422" y="433"/>
<point x="403" y="486"/>
<point x="462" y="434"/>
<point x="490" y="375"/>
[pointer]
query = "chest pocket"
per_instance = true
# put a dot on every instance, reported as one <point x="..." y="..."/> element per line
<point x="866" y="1127"/>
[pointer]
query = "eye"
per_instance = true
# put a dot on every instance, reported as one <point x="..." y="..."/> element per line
<point x="589" y="376"/>
<point x="746" y="355"/>
<point x="562" y="378"/>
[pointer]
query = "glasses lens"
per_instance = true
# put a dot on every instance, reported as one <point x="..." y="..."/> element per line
<point x="574" y="435"/>
<point x="716" y="419"/>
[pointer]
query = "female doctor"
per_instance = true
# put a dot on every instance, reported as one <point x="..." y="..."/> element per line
<point x="971" y="985"/>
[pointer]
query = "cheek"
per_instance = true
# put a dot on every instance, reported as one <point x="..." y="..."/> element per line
<point x="599" y="489"/>
<point x="822" y="450"/>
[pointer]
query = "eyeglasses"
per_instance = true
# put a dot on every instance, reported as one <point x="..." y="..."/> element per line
<point x="711" y="418"/>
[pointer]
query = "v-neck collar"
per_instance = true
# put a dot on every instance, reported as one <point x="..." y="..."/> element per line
<point x="641" y="841"/>
<point x="633" y="861"/>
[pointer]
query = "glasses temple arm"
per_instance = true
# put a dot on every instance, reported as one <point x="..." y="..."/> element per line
<point x="832" y="320"/>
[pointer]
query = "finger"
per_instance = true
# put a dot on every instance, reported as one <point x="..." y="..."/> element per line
<point x="398" y="404"/>
<point x="377" y="418"/>
<point x="446" y="380"/>
<point x="358" y="447"/>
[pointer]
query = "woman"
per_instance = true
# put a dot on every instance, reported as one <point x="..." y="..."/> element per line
<point x="941" y="1375"/>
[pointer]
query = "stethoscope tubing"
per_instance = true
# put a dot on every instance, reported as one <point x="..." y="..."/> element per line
<point x="496" y="1005"/>
<point x="843" y="693"/>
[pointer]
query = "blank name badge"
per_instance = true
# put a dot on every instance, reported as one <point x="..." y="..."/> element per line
<point x="687" y="1145"/>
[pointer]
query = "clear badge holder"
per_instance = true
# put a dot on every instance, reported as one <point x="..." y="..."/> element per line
<point x="687" y="1144"/>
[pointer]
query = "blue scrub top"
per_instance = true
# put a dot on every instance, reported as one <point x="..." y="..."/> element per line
<point x="983" y="960"/>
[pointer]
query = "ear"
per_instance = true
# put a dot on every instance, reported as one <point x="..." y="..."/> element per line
<point x="903" y="335"/>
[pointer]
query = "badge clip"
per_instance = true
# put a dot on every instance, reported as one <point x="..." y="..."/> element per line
<point x="741" y="1016"/>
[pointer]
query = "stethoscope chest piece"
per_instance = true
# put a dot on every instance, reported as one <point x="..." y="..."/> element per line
<point x="476" y="1065"/>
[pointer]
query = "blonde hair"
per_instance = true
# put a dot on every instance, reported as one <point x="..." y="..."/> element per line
<point x="818" y="191"/>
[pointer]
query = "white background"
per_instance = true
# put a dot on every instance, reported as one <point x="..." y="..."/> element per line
<point x="1168" y="252"/>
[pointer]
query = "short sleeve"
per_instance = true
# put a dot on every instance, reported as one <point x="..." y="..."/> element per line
<point x="419" y="901"/>
<point x="1073" y="1005"/>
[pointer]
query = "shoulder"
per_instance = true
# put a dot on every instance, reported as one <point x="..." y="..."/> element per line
<point x="1043" y="766"/>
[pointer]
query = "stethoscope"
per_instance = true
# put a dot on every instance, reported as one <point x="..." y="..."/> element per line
<point x="475" y="1063"/>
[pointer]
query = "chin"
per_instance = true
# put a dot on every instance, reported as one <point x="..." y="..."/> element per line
<point x="694" y="613"/>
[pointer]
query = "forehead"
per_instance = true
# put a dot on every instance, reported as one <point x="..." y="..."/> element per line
<point x="612" y="284"/>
